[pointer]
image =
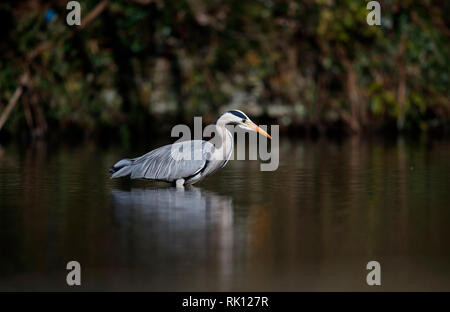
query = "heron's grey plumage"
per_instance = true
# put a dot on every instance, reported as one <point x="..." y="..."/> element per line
<point x="189" y="161"/>
<point x="167" y="163"/>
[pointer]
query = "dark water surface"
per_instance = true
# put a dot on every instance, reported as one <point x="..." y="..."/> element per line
<point x="311" y="225"/>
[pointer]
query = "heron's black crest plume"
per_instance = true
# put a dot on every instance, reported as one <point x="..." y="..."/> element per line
<point x="238" y="114"/>
<point x="234" y="112"/>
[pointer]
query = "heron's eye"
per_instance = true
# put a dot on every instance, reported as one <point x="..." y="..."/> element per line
<point x="243" y="120"/>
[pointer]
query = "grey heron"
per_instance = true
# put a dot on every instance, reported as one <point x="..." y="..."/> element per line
<point x="170" y="164"/>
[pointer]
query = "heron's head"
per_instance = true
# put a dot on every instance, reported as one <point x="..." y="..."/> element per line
<point x="238" y="118"/>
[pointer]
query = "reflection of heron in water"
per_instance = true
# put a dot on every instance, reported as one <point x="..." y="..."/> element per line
<point x="169" y="203"/>
<point x="173" y="227"/>
<point x="173" y="162"/>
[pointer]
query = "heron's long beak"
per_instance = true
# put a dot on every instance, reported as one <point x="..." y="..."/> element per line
<point x="254" y="127"/>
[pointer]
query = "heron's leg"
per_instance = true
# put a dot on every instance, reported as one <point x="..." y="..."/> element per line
<point x="179" y="183"/>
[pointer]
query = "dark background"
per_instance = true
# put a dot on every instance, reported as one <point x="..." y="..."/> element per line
<point x="117" y="84"/>
<point x="315" y="67"/>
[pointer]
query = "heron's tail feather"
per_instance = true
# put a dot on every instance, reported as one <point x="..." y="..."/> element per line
<point x="122" y="168"/>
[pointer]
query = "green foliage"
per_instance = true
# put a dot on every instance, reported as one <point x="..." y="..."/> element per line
<point x="313" y="61"/>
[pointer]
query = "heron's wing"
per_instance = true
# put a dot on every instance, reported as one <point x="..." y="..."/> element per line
<point x="172" y="162"/>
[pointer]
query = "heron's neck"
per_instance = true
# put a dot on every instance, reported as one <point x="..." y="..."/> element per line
<point x="223" y="140"/>
<point x="223" y="133"/>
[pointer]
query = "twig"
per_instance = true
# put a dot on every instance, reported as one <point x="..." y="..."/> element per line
<point x="93" y="14"/>
<point x="13" y="101"/>
<point x="85" y="21"/>
<point x="38" y="50"/>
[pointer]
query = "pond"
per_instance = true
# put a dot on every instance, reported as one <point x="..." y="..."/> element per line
<point x="311" y="225"/>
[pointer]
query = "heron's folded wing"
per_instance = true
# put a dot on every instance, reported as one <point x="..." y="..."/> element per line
<point x="172" y="162"/>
